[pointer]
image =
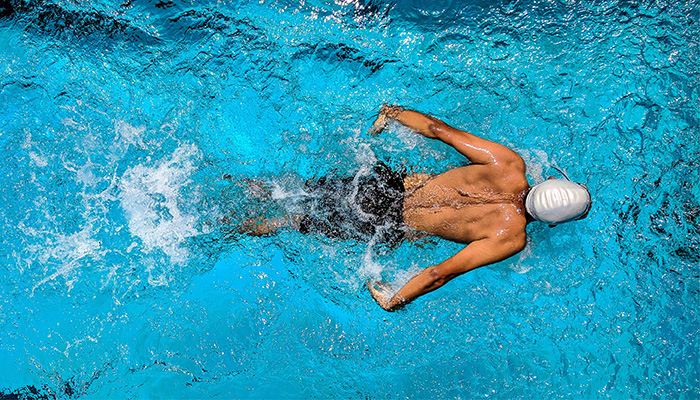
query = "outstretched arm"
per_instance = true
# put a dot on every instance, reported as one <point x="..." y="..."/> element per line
<point x="477" y="254"/>
<point x="476" y="149"/>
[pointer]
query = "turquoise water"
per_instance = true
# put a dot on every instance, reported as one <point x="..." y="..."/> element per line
<point x="120" y="120"/>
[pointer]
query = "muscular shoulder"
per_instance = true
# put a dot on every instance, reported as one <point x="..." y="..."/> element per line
<point x="511" y="234"/>
<point x="510" y="160"/>
<point x="506" y="175"/>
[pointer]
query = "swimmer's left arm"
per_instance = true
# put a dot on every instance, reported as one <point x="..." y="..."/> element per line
<point x="477" y="254"/>
<point x="478" y="150"/>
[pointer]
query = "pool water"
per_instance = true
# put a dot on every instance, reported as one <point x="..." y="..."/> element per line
<point x="131" y="131"/>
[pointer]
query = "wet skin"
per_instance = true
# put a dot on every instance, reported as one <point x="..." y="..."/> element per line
<point x="480" y="205"/>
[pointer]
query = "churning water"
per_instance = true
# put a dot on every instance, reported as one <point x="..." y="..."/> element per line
<point x="132" y="132"/>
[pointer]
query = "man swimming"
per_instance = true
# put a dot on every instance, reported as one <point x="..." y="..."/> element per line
<point x="485" y="205"/>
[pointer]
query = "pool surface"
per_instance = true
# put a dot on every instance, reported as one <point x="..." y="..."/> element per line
<point x="135" y="134"/>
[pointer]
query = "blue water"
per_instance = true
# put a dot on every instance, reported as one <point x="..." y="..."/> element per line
<point x="120" y="119"/>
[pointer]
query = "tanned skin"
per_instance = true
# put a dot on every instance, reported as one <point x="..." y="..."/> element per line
<point x="480" y="205"/>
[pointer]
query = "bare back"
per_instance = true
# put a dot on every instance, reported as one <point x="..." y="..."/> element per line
<point x="470" y="203"/>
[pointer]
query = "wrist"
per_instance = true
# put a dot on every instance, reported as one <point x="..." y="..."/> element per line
<point x="392" y="111"/>
<point x="395" y="303"/>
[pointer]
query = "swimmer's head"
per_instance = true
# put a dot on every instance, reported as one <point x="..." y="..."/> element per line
<point x="556" y="201"/>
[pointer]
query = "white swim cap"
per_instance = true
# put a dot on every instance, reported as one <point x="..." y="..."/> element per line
<point x="557" y="200"/>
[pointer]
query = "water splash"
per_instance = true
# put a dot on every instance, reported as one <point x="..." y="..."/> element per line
<point x="537" y="162"/>
<point x="152" y="197"/>
<point x="70" y="252"/>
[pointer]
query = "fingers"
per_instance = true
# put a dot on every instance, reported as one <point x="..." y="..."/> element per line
<point x="380" y="291"/>
<point x="378" y="125"/>
<point x="376" y="284"/>
<point x="378" y="295"/>
<point x="387" y="111"/>
<point x="373" y="290"/>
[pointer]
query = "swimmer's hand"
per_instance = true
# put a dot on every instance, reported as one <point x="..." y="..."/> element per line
<point x="378" y="125"/>
<point x="386" y="112"/>
<point x="381" y="293"/>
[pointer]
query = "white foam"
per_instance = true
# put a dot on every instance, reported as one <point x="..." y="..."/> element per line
<point x="409" y="138"/>
<point x="85" y="174"/>
<point x="526" y="260"/>
<point x="367" y="159"/>
<point x="151" y="199"/>
<point x="38" y="159"/>
<point x="70" y="250"/>
<point x="280" y="192"/>
<point x="127" y="135"/>
<point x="371" y="268"/>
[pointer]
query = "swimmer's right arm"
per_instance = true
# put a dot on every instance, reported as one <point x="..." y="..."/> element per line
<point x="477" y="254"/>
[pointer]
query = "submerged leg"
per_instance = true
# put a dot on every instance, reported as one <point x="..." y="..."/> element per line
<point x="261" y="226"/>
<point x="254" y="188"/>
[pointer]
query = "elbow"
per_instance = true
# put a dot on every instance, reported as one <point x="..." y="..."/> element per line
<point x="436" y="129"/>
<point x="437" y="278"/>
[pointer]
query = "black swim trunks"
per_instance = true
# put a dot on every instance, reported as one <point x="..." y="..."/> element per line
<point x="359" y="208"/>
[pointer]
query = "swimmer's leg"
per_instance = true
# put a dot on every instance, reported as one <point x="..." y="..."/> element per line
<point x="254" y="188"/>
<point x="262" y="226"/>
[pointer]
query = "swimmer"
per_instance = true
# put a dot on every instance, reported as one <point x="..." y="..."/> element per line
<point x="485" y="205"/>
